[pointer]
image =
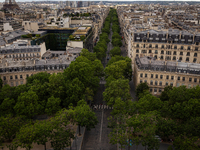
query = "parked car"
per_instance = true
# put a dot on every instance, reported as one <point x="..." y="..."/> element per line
<point x="157" y="137"/>
<point x="107" y="58"/>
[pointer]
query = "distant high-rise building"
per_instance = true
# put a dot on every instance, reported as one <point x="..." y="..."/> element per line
<point x="68" y="3"/>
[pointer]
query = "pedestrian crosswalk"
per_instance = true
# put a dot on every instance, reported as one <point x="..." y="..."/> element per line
<point x="96" y="107"/>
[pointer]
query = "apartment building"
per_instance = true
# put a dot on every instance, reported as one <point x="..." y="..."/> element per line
<point x="158" y="74"/>
<point x="15" y="73"/>
<point x="171" y="45"/>
<point x="20" y="50"/>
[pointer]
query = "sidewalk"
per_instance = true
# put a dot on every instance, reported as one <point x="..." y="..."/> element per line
<point x="77" y="143"/>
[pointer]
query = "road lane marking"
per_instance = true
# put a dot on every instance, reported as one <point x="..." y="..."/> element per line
<point x="101" y="126"/>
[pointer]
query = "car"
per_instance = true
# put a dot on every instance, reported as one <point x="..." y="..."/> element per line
<point x="107" y="58"/>
<point x="157" y="137"/>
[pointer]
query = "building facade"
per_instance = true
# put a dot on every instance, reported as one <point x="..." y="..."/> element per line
<point x="170" y="46"/>
<point x="20" y="50"/>
<point x="159" y="74"/>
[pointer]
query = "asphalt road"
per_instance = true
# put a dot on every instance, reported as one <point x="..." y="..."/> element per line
<point x="98" y="138"/>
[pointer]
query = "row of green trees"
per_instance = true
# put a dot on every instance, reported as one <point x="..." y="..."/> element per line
<point x="58" y="129"/>
<point x="101" y="47"/>
<point x="176" y="112"/>
<point x="47" y="94"/>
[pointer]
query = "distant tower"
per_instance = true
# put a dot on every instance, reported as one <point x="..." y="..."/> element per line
<point x="10" y="5"/>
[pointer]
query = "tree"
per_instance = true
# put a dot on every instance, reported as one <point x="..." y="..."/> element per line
<point x="141" y="88"/>
<point x="75" y="92"/>
<point x="6" y="92"/>
<point x="117" y="42"/>
<point x="53" y="105"/>
<point x="61" y="138"/>
<point x="25" y="137"/>
<point x="1" y="83"/>
<point x="115" y="51"/>
<point x="42" y="77"/>
<point x="88" y="55"/>
<point x="41" y="90"/>
<point x="116" y="36"/>
<point x="145" y="125"/>
<point x="57" y="86"/>
<point x="41" y="132"/>
<point x="7" y="106"/>
<point x="149" y="103"/>
<point x="164" y="95"/>
<point x="117" y="89"/>
<point x="9" y="126"/>
<point x="84" y="72"/>
<point x="27" y="104"/>
<point x="184" y="143"/>
<point x="84" y="116"/>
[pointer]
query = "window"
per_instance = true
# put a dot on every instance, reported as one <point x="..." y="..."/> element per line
<point x="150" y="89"/>
<point x="194" y="60"/>
<point x="171" y="84"/>
<point x="160" y="83"/>
<point x="177" y="85"/>
<point x="151" y="83"/>
<point x="144" y="46"/>
<point x="187" y="59"/>
<point x="181" y="47"/>
<point x="11" y="77"/>
<point x="195" y="54"/>
<point x="21" y="77"/>
<point x="188" y="47"/>
<point x="145" y="81"/>
<point x="155" y="89"/>
<point x="161" y="57"/>
<point x="137" y="50"/>
<point x="166" y="84"/>
<point x="156" y="76"/>
<point x="145" y="75"/>
<point x="163" y="46"/>
<point x="149" y="51"/>
<point x="175" y="47"/>
<point x="162" y="52"/>
<point x="161" y="76"/>
<point x="156" y="83"/>
<point x="156" y="51"/>
<point x="195" y="79"/>
<point x="190" y="79"/>
<point x="21" y="82"/>
<point x="178" y="78"/>
<point x="183" y="79"/>
<point x="188" y="54"/>
<point x="144" y="51"/>
<point x="141" y="75"/>
<point x="189" y="85"/>
<point x="181" y="53"/>
<point x="155" y="56"/>
<point x="16" y="83"/>
<point x="12" y="84"/>
<point x="160" y="90"/>
<point x="27" y="76"/>
<point x="196" y="48"/>
<point x="174" y="58"/>
<point x="167" y="77"/>
<point x="151" y="75"/>
<point x="174" y="53"/>
<point x="4" y="78"/>
<point x="140" y="81"/>
<point x="180" y="58"/>
<point x="150" y="46"/>
<point x="172" y="77"/>
<point x="156" y="46"/>
<point x="137" y="45"/>
<point x="16" y="77"/>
